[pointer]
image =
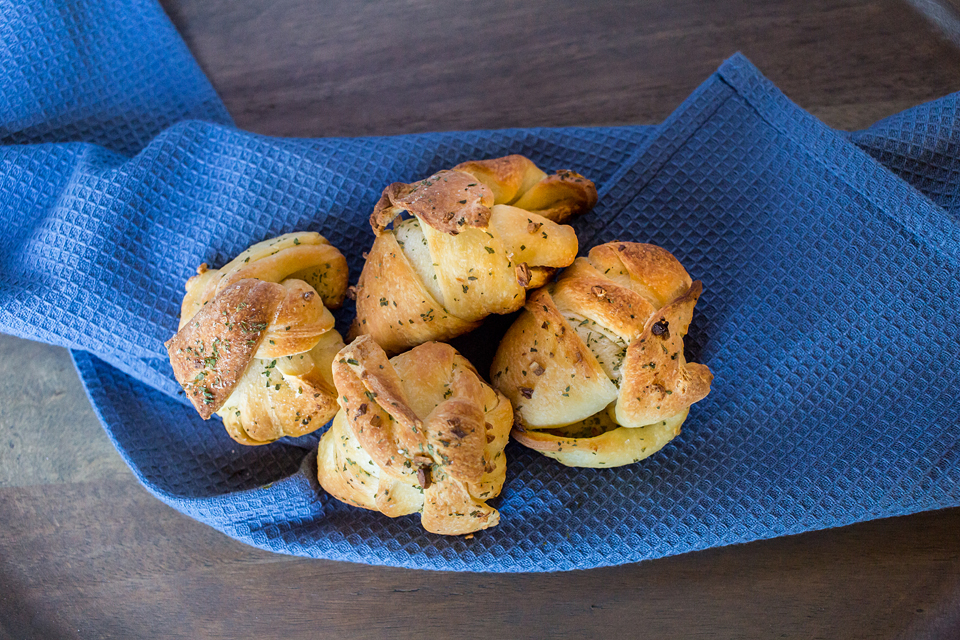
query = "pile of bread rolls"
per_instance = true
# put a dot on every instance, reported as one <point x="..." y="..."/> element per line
<point x="591" y="373"/>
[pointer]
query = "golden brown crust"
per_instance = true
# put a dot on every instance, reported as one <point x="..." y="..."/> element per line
<point x="476" y="274"/>
<point x="301" y="317"/>
<point x="598" y="298"/>
<point x="560" y="197"/>
<point x="658" y="382"/>
<point x="418" y="433"/>
<point x="610" y="446"/>
<point x="517" y="181"/>
<point x="287" y="396"/>
<point x="394" y="307"/>
<point x="256" y="338"/>
<point x="448" y="201"/>
<point x="545" y="369"/>
<point x="304" y="255"/>
<point x="211" y="353"/>
<point x="616" y="357"/>
<point x="539" y="276"/>
<point x="472" y="253"/>
<point x="650" y="270"/>
<point x="507" y="178"/>
<point x="362" y="370"/>
<point x="456" y="428"/>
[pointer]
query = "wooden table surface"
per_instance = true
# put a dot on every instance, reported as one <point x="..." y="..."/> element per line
<point x="86" y="552"/>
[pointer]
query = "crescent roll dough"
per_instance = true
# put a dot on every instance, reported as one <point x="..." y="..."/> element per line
<point x="594" y="364"/>
<point x="420" y="432"/>
<point x="256" y="339"/>
<point x="478" y="237"/>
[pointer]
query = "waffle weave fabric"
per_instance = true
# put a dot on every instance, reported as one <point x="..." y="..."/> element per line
<point x="830" y="265"/>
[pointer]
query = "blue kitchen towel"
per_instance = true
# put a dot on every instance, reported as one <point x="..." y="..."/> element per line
<point x="829" y="316"/>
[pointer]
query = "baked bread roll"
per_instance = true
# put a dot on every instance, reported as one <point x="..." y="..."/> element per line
<point x="256" y="338"/>
<point x="480" y="235"/>
<point x="594" y="364"/>
<point x="420" y="432"/>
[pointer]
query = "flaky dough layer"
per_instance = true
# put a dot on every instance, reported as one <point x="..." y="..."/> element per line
<point x="594" y="364"/>
<point x="256" y="338"/>
<point x="479" y="236"/>
<point x="418" y="433"/>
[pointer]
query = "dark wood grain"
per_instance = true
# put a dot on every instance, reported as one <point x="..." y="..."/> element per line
<point x="290" y="67"/>
<point x="108" y="560"/>
<point x="85" y="552"/>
